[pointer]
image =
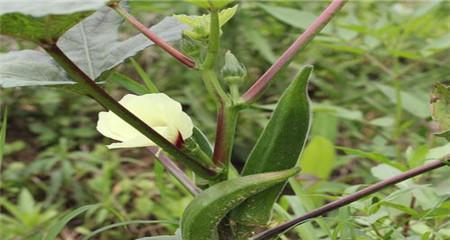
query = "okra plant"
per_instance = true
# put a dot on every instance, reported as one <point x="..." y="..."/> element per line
<point x="79" y="49"/>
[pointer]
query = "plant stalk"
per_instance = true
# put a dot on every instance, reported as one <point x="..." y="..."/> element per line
<point x="268" y="234"/>
<point x="213" y="86"/>
<point x="213" y="41"/>
<point x="175" y="171"/>
<point x="97" y="93"/>
<point x="227" y="114"/>
<point x="208" y="72"/>
<point x="152" y="36"/>
<point x="261" y="84"/>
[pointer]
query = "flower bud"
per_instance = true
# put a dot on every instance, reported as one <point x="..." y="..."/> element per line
<point x="157" y="110"/>
<point x="233" y="71"/>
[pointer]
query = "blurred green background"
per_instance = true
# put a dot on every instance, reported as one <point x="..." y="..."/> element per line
<point x="375" y="65"/>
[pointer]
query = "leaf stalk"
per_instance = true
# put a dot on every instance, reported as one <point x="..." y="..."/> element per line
<point x="153" y="37"/>
<point x="175" y="171"/>
<point x="319" y="23"/>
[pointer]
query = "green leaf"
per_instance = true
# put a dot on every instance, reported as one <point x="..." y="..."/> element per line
<point x="261" y="44"/>
<point x="28" y="68"/>
<point x="26" y="202"/>
<point x="306" y="230"/>
<point x="200" y="24"/>
<point x="293" y="17"/>
<point x="308" y="202"/>
<point x="210" y="4"/>
<point x="132" y="222"/>
<point x="56" y="228"/>
<point x="3" y="136"/>
<point x="444" y="134"/>
<point x="325" y="125"/>
<point x="205" y="212"/>
<point x="384" y="171"/>
<point x="199" y="143"/>
<point x="177" y="236"/>
<point x="49" y="7"/>
<point x="200" y="138"/>
<point x="43" y="21"/>
<point x="318" y="158"/>
<point x="165" y="237"/>
<point x="411" y="103"/>
<point x="416" y="157"/>
<point x="440" y="109"/>
<point x="94" y="45"/>
<point x="379" y="158"/>
<point x="385" y="121"/>
<point x="337" y="111"/>
<point x="278" y="148"/>
<point x="438" y="152"/>
<point x="128" y="83"/>
<point x="437" y="45"/>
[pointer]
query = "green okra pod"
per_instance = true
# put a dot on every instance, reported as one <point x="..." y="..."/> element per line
<point x="203" y="215"/>
<point x="278" y="148"/>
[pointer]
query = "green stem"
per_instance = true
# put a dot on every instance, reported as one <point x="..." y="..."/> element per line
<point x="227" y="112"/>
<point x="108" y="102"/>
<point x="214" y="41"/>
<point x="234" y="90"/>
<point x="213" y="86"/>
<point x="209" y="75"/>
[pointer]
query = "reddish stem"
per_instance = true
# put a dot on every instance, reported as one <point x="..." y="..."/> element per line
<point x="258" y="87"/>
<point x="153" y="37"/>
<point x="219" y="149"/>
<point x="268" y="234"/>
<point x="175" y="171"/>
<point x="227" y="117"/>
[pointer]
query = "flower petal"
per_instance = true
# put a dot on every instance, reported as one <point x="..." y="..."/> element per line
<point x="103" y="126"/>
<point x="183" y="123"/>
<point x="158" y="110"/>
<point x="142" y="141"/>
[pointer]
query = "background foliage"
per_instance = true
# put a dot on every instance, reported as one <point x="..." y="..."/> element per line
<point x="374" y="70"/>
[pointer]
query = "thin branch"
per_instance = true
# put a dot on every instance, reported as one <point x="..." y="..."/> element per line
<point x="153" y="37"/>
<point x="407" y="225"/>
<point x="352" y="198"/>
<point x="261" y="84"/>
<point x="109" y="103"/>
<point x="175" y="171"/>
